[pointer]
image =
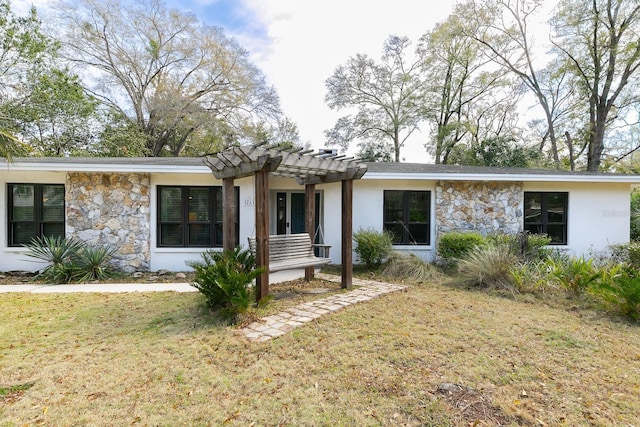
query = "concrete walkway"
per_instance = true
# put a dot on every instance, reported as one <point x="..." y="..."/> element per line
<point x="279" y="324"/>
<point x="283" y="276"/>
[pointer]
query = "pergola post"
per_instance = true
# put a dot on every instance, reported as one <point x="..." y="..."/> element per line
<point x="310" y="221"/>
<point x="347" y="233"/>
<point x="228" y="215"/>
<point x="262" y="231"/>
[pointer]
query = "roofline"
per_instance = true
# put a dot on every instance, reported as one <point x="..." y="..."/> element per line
<point x="134" y="165"/>
<point x="502" y="177"/>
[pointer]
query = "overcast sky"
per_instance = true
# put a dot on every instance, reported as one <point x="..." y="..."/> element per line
<point x="298" y="44"/>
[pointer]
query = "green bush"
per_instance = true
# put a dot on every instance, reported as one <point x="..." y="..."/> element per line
<point x="488" y="266"/>
<point x="224" y="278"/>
<point x="455" y="245"/>
<point x="408" y="265"/>
<point x="372" y="247"/>
<point x="622" y="291"/>
<point x="69" y="260"/>
<point x="575" y="274"/>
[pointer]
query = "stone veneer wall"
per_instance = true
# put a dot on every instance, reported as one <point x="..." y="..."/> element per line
<point x="112" y="210"/>
<point x="486" y="207"/>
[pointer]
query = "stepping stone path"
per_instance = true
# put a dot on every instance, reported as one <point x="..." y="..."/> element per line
<point x="279" y="324"/>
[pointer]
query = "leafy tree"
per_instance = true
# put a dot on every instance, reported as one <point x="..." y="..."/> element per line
<point x="184" y="84"/>
<point x="467" y="97"/>
<point x="54" y="115"/>
<point x="22" y="47"/>
<point x="495" y="152"/>
<point x="600" y="44"/>
<point x="388" y="98"/>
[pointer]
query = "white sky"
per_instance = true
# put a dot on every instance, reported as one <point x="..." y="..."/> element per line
<point x="308" y="40"/>
<point x="298" y="44"/>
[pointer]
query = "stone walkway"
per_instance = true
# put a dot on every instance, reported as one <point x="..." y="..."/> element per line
<point x="279" y="324"/>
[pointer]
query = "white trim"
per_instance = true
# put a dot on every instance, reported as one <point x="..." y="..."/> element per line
<point x="499" y="177"/>
<point x="85" y="167"/>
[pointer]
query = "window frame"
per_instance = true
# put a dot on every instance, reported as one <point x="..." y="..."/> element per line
<point x="406" y="213"/>
<point x="38" y="208"/>
<point x="214" y="223"/>
<point x="544" y="223"/>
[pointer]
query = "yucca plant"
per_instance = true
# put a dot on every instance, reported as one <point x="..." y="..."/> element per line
<point x="59" y="254"/>
<point x="92" y="263"/>
<point x="69" y="260"/>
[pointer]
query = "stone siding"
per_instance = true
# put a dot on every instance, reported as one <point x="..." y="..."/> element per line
<point x="487" y="207"/>
<point x="113" y="210"/>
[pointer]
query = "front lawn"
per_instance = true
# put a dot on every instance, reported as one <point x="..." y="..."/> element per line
<point x="164" y="359"/>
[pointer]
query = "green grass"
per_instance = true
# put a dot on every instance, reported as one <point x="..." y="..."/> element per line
<point x="165" y="359"/>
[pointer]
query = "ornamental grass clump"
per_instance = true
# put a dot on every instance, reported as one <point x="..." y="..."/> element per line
<point x="409" y="266"/>
<point x="225" y="279"/>
<point x="488" y="266"/>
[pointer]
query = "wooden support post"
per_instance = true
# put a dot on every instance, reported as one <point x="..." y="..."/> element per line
<point x="228" y="215"/>
<point x="347" y="233"/>
<point x="310" y="221"/>
<point x="262" y="231"/>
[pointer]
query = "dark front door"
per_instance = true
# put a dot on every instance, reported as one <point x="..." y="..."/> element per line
<point x="297" y="213"/>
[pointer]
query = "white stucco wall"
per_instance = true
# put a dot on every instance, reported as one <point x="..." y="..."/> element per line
<point x="598" y="214"/>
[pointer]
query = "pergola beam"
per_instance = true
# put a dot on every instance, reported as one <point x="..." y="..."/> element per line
<point x="306" y="169"/>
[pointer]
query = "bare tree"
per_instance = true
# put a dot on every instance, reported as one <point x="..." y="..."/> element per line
<point x="600" y="42"/>
<point x="165" y="71"/>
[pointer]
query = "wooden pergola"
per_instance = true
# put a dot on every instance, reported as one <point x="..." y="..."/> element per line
<point x="306" y="168"/>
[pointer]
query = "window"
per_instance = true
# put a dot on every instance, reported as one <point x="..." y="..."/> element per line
<point x="546" y="213"/>
<point x="35" y="210"/>
<point x="192" y="216"/>
<point x="406" y="216"/>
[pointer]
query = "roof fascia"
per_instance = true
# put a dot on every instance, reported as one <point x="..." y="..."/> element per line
<point x="502" y="177"/>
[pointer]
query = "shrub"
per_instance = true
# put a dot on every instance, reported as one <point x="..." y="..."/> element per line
<point x="628" y="253"/>
<point x="575" y="274"/>
<point x="224" y="278"/>
<point x="455" y="245"/>
<point x="621" y="290"/>
<point x="70" y="260"/>
<point x="372" y="247"/>
<point x="409" y="266"/>
<point x="488" y="266"/>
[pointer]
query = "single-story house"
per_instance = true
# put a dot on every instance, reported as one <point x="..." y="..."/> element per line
<point x="161" y="212"/>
